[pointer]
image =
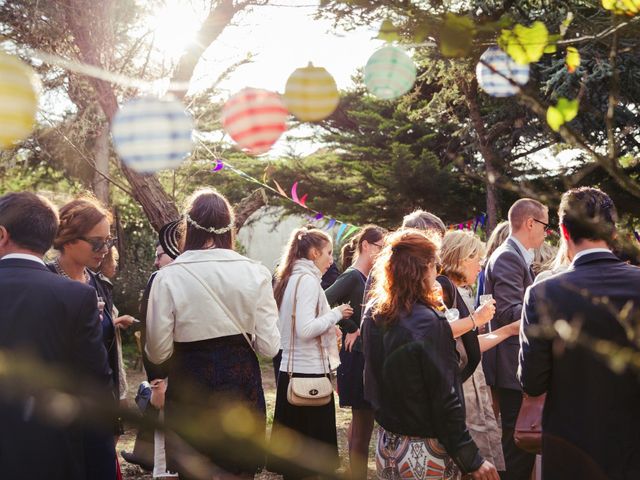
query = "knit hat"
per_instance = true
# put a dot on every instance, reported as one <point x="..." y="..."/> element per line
<point x="169" y="238"/>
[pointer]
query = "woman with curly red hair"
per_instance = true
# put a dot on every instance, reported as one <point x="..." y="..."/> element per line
<point x="411" y="369"/>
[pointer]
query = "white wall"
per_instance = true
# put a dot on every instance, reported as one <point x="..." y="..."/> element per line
<point x="266" y="233"/>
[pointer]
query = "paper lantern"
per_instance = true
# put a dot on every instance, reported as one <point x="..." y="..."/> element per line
<point x="19" y="90"/>
<point x="254" y="119"/>
<point x="311" y="94"/>
<point x="152" y="134"/>
<point x="389" y="73"/>
<point x="495" y="83"/>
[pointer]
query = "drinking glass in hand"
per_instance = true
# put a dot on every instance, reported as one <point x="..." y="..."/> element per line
<point x="485" y="298"/>
<point x="101" y="304"/>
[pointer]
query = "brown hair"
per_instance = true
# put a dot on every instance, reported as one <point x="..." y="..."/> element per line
<point x="523" y="209"/>
<point x="77" y="218"/>
<point x="347" y="254"/>
<point x="299" y="246"/>
<point x="400" y="273"/>
<point x="30" y="220"/>
<point x="458" y="246"/>
<point x="208" y="209"/>
<point x="588" y="214"/>
<point x="370" y="234"/>
<point x="109" y="265"/>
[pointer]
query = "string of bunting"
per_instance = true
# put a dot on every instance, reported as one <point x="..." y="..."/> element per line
<point x="344" y="231"/>
<point x="478" y="220"/>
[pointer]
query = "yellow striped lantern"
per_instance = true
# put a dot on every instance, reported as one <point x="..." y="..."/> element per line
<point x="389" y="73"/>
<point x="19" y="91"/>
<point x="254" y="119"/>
<point x="150" y="134"/>
<point x="311" y="94"/>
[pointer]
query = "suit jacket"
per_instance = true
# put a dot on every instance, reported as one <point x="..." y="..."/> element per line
<point x="56" y="321"/>
<point x="591" y="418"/>
<point x="507" y="276"/>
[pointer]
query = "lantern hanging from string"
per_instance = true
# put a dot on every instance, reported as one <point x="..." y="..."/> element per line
<point x="151" y="134"/>
<point x="389" y="73"/>
<point x="19" y="91"/>
<point x="497" y="72"/>
<point x="311" y="94"/>
<point x="254" y="119"/>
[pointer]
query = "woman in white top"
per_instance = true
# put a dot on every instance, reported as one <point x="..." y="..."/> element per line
<point x="308" y="255"/>
<point x="207" y="312"/>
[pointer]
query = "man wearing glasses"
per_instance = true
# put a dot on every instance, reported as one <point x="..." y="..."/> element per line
<point x="508" y="273"/>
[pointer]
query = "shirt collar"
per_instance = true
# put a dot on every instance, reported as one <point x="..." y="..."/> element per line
<point x="528" y="255"/>
<point x="582" y="253"/>
<point x="23" y="256"/>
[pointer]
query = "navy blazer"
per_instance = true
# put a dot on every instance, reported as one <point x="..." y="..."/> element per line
<point x="55" y="320"/>
<point x="591" y="418"/>
<point x="507" y="276"/>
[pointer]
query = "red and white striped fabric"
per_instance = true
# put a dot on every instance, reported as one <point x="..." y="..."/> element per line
<point x="255" y="119"/>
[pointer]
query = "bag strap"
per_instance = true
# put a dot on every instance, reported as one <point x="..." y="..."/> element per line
<point x="215" y="297"/>
<point x="293" y="332"/>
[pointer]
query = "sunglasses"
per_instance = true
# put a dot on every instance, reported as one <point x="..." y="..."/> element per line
<point x="98" y="244"/>
<point x="546" y="225"/>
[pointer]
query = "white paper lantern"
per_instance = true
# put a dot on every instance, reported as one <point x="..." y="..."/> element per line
<point x="389" y="73"/>
<point x="495" y="83"/>
<point x="150" y="134"/>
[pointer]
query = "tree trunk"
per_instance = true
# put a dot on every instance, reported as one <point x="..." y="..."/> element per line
<point x="247" y="206"/>
<point x="101" y="160"/>
<point x="488" y="154"/>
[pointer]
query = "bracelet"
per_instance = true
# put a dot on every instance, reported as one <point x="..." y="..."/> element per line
<point x="473" y="320"/>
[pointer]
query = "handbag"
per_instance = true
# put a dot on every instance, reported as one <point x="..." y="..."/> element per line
<point x="306" y="391"/>
<point x="528" y="430"/>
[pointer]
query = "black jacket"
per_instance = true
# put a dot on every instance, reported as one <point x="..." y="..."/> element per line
<point x="56" y="320"/>
<point x="591" y="418"/>
<point x="411" y="375"/>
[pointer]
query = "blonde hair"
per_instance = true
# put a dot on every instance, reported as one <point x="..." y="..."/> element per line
<point x="544" y="257"/>
<point x="497" y="238"/>
<point x="458" y="246"/>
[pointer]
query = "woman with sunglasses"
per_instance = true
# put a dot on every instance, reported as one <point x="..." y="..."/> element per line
<point x="83" y="240"/>
<point x="349" y="288"/>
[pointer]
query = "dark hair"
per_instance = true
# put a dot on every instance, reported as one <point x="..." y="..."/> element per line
<point x="588" y="213"/>
<point x="370" y="234"/>
<point x="347" y="253"/>
<point x="425" y="221"/>
<point x="208" y="209"/>
<point x="77" y="218"/>
<point x="30" y="220"/>
<point x="299" y="246"/>
<point x="400" y="273"/>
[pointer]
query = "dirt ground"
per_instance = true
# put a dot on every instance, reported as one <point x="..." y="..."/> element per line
<point x="343" y="417"/>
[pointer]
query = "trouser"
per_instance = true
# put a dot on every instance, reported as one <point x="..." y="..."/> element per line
<point x="518" y="462"/>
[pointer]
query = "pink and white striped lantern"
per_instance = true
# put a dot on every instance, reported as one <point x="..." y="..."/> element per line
<point x="255" y="119"/>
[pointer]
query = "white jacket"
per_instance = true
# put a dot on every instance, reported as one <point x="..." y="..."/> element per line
<point x="306" y="352"/>
<point x="181" y="310"/>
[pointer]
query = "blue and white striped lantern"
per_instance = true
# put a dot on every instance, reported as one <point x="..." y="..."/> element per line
<point x="389" y="73"/>
<point x="496" y="83"/>
<point x="150" y="134"/>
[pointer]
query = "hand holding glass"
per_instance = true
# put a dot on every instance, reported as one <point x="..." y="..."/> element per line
<point x="485" y="298"/>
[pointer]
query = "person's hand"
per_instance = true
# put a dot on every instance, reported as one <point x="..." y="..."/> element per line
<point x="124" y="321"/>
<point x="486" y="472"/>
<point x="485" y="313"/>
<point x="158" y="390"/>
<point x="345" y="310"/>
<point x="513" y="328"/>
<point x="350" y="339"/>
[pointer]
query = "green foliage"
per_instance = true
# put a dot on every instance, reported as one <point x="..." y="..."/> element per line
<point x="565" y="111"/>
<point x="525" y="44"/>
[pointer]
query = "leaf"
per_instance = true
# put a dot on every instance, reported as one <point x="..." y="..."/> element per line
<point x="525" y="44"/>
<point x="388" y="31"/>
<point x="565" y="111"/>
<point x="622" y="7"/>
<point x="552" y="45"/>
<point x="573" y="59"/>
<point x="456" y="35"/>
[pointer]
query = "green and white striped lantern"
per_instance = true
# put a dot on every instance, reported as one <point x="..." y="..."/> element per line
<point x="389" y="73"/>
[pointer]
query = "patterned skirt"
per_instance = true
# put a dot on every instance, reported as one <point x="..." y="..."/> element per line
<point x="399" y="457"/>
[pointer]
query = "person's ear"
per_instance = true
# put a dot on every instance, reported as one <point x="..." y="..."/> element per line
<point x="564" y="232"/>
<point x="4" y="236"/>
<point x="313" y="253"/>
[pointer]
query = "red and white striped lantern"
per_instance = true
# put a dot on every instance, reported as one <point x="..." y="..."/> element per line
<point x="255" y="119"/>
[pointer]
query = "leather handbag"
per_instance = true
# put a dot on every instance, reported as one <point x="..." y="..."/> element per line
<point x="528" y="430"/>
<point x="306" y="391"/>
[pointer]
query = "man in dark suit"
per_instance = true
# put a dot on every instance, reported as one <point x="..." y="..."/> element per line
<point x="507" y="275"/>
<point x="579" y="334"/>
<point x="53" y="320"/>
